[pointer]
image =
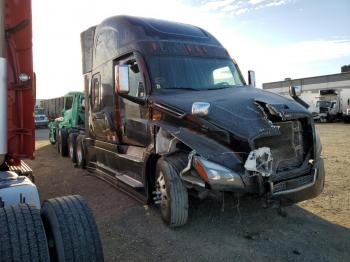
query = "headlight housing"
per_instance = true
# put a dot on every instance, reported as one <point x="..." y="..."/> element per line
<point x="217" y="176"/>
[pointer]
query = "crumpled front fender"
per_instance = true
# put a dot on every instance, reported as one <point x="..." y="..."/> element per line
<point x="204" y="146"/>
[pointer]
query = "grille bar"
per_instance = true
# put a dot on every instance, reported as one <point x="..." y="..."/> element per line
<point x="293" y="185"/>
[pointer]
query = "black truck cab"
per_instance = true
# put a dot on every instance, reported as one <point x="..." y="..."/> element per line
<point x="168" y="112"/>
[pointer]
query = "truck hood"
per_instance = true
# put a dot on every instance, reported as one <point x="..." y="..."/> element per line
<point x="243" y="111"/>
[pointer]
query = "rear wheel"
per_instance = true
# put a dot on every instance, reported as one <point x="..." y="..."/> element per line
<point x="22" y="235"/>
<point x="171" y="192"/>
<point x="71" y="230"/>
<point x="72" y="146"/>
<point x="81" y="152"/>
<point x="62" y="143"/>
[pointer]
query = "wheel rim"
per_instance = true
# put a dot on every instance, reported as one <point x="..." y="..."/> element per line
<point x="71" y="150"/>
<point x="79" y="155"/>
<point x="161" y="192"/>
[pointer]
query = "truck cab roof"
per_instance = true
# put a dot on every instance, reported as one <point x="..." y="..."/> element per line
<point x="120" y="35"/>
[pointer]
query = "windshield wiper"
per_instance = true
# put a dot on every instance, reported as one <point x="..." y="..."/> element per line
<point x="181" y="87"/>
<point x="218" y="87"/>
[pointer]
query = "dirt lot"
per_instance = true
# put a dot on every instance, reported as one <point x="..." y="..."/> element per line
<point x="315" y="230"/>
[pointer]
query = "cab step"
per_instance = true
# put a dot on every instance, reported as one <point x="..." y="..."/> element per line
<point x="129" y="181"/>
<point x="125" y="183"/>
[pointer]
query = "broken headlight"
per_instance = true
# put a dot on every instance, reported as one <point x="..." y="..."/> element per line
<point x="217" y="176"/>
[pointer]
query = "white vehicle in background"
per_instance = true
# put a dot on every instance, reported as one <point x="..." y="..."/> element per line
<point x="346" y="108"/>
<point x="40" y="118"/>
<point x="331" y="105"/>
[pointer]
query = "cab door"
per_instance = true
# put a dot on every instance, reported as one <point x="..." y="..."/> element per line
<point x="133" y="110"/>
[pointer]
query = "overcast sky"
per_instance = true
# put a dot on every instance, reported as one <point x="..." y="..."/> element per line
<point x="276" y="38"/>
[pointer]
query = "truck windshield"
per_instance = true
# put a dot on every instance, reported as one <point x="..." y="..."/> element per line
<point x="323" y="104"/>
<point x="194" y="73"/>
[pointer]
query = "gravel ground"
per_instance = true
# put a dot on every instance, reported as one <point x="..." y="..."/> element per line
<point x="314" y="230"/>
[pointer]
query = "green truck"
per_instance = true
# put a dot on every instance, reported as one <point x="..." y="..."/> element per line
<point x="64" y="130"/>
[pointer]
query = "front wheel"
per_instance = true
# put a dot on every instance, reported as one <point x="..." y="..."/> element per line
<point x="171" y="192"/>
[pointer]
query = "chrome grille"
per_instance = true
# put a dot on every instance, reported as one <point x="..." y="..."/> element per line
<point x="292" y="184"/>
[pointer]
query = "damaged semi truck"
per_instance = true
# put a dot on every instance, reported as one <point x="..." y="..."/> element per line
<point x="169" y="113"/>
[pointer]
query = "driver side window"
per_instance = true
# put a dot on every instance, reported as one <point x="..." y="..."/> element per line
<point x="137" y="87"/>
<point x="69" y="102"/>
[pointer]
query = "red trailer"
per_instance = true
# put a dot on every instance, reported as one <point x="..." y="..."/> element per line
<point x="61" y="229"/>
<point x="17" y="140"/>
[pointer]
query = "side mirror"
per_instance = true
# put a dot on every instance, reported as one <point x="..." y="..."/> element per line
<point x="295" y="91"/>
<point x="251" y="78"/>
<point x="121" y="78"/>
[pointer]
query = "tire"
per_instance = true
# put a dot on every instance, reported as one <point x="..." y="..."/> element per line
<point x="72" y="146"/>
<point x="172" y="192"/>
<point x="62" y="143"/>
<point x="81" y="152"/>
<point x="71" y="230"/>
<point x="22" y="235"/>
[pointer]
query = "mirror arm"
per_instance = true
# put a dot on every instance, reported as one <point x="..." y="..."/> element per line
<point x="301" y="101"/>
<point x="295" y="95"/>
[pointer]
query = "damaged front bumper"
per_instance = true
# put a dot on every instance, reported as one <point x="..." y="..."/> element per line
<point x="300" y="188"/>
<point x="297" y="188"/>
